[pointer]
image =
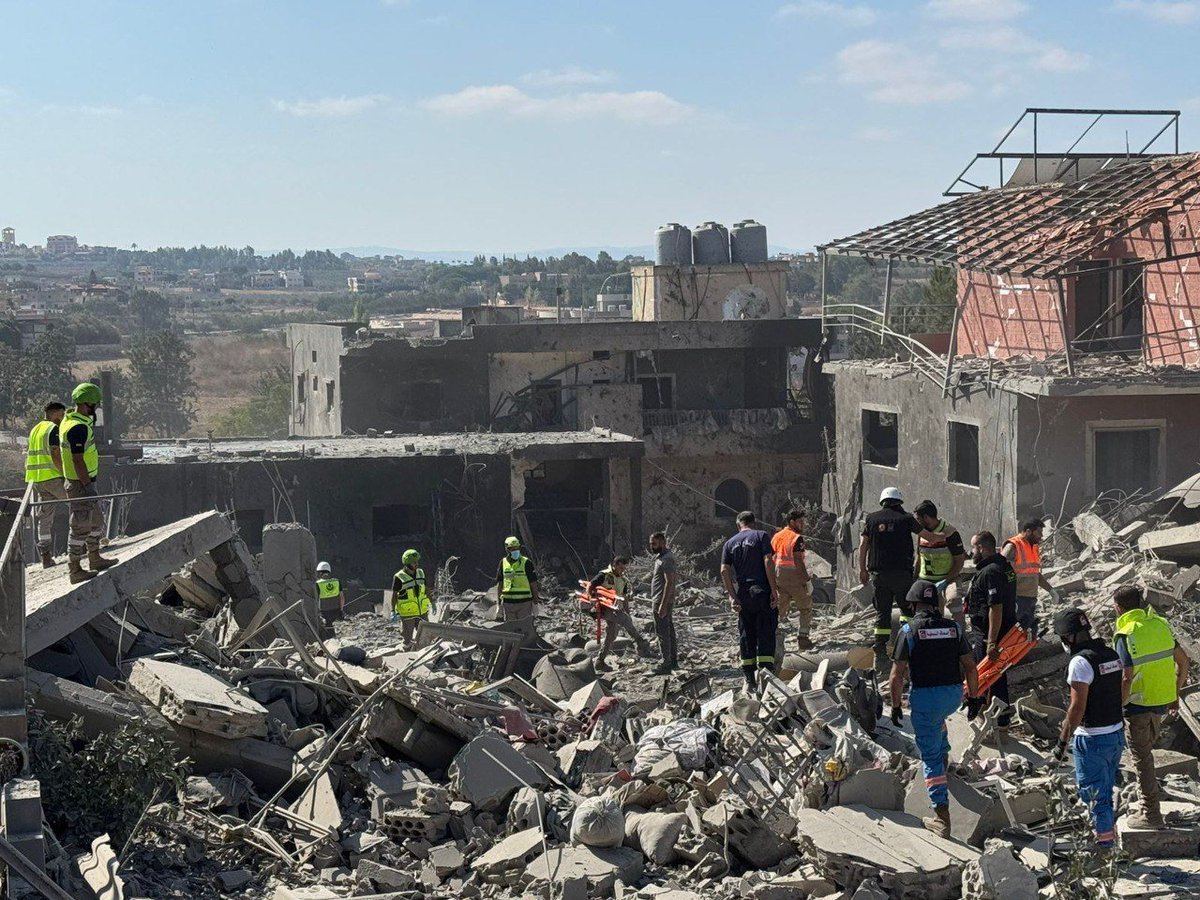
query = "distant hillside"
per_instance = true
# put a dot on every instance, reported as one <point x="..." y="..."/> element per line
<point x="450" y="256"/>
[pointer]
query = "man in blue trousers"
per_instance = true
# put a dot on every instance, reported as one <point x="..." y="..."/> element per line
<point x="934" y="652"/>
<point x="1094" y="723"/>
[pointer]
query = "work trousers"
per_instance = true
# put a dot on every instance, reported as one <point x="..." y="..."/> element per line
<point x="1144" y="729"/>
<point x="618" y="618"/>
<point x="1097" y="758"/>
<point x="668" y="645"/>
<point x="978" y="640"/>
<point x="797" y="593"/>
<point x="511" y="611"/>
<point x="44" y="491"/>
<point x="891" y="588"/>
<point x="1027" y="614"/>
<point x="408" y="628"/>
<point x="87" y="520"/>
<point x="757" y="625"/>
<point x="930" y="707"/>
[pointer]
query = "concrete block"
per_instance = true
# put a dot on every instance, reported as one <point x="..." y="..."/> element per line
<point x="488" y="771"/>
<point x="234" y="879"/>
<point x="1119" y="576"/>
<point x="997" y="875"/>
<point x="974" y="815"/>
<point x="509" y="858"/>
<point x="411" y="823"/>
<point x="289" y="572"/>
<point x="1179" y="840"/>
<point x="1093" y="531"/>
<point x="1179" y="543"/>
<point x="600" y="868"/>
<point x="318" y="803"/>
<point x="757" y="845"/>
<point x="195" y="699"/>
<point x="21" y="825"/>
<point x="283" y="892"/>
<point x="382" y="876"/>
<point x="1134" y="530"/>
<point x="584" y="700"/>
<point x="267" y="765"/>
<point x="445" y="860"/>
<point x="55" y="607"/>
<point x="582" y="757"/>
<point x="1069" y="584"/>
<point x="870" y="787"/>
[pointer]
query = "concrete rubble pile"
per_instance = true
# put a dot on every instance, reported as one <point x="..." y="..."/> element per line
<point x="487" y="761"/>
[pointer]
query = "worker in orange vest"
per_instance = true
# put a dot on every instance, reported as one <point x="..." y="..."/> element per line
<point x="791" y="577"/>
<point x="1025" y="553"/>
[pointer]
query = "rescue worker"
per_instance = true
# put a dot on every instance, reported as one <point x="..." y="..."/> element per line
<point x="1025" y="553"/>
<point x="331" y="599"/>
<point x="613" y="578"/>
<point x="1093" y="722"/>
<point x="933" y="650"/>
<point x="940" y="556"/>
<point x="410" y="599"/>
<point x="791" y="578"/>
<point x="81" y="465"/>
<point x="663" y="578"/>
<point x="885" y="560"/>
<point x="43" y="469"/>
<point x="516" y="584"/>
<point x="992" y="610"/>
<point x="1155" y="668"/>
<point x="748" y="574"/>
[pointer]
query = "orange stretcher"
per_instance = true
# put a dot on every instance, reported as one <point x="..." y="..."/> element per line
<point x="603" y="598"/>
<point x="1014" y="646"/>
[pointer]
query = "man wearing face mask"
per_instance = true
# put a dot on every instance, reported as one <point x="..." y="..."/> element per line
<point x="516" y="584"/>
<point x="992" y="609"/>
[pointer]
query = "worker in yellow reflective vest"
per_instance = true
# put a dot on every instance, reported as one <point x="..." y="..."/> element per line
<point x="1155" y="668"/>
<point x="516" y="584"/>
<point x="410" y="598"/>
<point x="940" y="557"/>
<point x="43" y="469"/>
<point x="616" y="614"/>
<point x="81" y="465"/>
<point x="330" y="596"/>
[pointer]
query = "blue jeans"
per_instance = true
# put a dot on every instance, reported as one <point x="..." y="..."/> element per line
<point x="1096" y="760"/>
<point x="930" y="708"/>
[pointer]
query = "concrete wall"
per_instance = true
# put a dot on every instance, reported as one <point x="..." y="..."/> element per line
<point x="615" y="406"/>
<point x="316" y="352"/>
<point x="713" y="293"/>
<point x="509" y="373"/>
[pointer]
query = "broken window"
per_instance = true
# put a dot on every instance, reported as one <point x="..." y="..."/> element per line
<point x="329" y="396"/>
<point x="314" y="354"/>
<point x="732" y="496"/>
<point x="399" y="522"/>
<point x="658" y="391"/>
<point x="1108" y="306"/>
<point x="1127" y="459"/>
<point x="963" y="442"/>
<point x="250" y="524"/>
<point x="881" y="437"/>
<point x="299" y="388"/>
<point x="315" y="383"/>
<point x="546" y="404"/>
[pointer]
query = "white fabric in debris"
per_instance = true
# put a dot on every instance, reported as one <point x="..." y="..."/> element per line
<point x="689" y="739"/>
<point x="598" y="822"/>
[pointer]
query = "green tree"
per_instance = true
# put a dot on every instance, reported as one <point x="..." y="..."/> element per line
<point x="161" y="392"/>
<point x="266" y="414"/>
<point x="359" y="312"/>
<point x="151" y="310"/>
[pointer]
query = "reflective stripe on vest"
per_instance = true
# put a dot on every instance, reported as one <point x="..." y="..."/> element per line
<point x="1151" y="647"/>
<point x="91" y="457"/>
<point x="411" y="600"/>
<point x="1027" y="565"/>
<point x="618" y="583"/>
<point x="516" y="583"/>
<point x="39" y="464"/>
<point x="936" y="559"/>
<point x="784" y="545"/>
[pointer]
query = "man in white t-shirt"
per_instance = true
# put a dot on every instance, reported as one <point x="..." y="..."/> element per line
<point x="1094" y="723"/>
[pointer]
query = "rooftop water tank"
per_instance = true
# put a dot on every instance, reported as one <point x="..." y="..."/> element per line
<point x="748" y="242"/>
<point x="673" y="245"/>
<point x="710" y="245"/>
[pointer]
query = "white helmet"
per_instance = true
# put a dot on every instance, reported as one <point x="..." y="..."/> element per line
<point x="324" y="567"/>
<point x="890" y="493"/>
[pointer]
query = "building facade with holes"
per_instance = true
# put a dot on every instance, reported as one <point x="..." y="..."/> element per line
<point x="1071" y="372"/>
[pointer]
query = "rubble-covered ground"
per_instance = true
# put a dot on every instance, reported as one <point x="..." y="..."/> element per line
<point x="228" y="749"/>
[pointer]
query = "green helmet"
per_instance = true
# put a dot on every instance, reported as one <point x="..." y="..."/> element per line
<point x="512" y="543"/>
<point x="410" y="557"/>
<point x="86" y="393"/>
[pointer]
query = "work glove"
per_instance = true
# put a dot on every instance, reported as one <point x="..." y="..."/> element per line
<point x="993" y="651"/>
<point x="974" y="707"/>
<point x="1060" y="751"/>
<point x="897" y="716"/>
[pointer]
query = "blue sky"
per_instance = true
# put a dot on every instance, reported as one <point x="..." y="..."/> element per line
<point x="505" y="126"/>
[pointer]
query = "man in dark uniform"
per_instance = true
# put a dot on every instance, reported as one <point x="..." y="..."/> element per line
<point x="934" y="651"/>
<point x="992" y="610"/>
<point x="1094" y="723"/>
<point x="885" y="560"/>
<point x="748" y="573"/>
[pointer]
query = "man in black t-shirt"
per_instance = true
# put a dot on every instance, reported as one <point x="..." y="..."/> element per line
<point x="885" y="560"/>
<point x="748" y="573"/>
<point x="992" y="611"/>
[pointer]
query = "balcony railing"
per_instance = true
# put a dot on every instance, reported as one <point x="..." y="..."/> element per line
<point x="749" y="421"/>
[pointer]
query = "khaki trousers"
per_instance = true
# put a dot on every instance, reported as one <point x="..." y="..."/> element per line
<point x="87" y="520"/>
<point x="44" y="491"/>
<point x="1144" y="730"/>
<point x="793" y="591"/>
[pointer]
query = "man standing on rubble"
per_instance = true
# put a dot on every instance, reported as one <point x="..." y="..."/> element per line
<point x="663" y="579"/>
<point x="940" y="556"/>
<point x="885" y="560"/>
<point x="81" y="465"/>
<point x="1155" y="668"/>
<point x="516" y="584"/>
<point x="1093" y="722"/>
<point x="791" y="576"/>
<point x="992" y="609"/>
<point x="933" y="650"/>
<point x="617" y="614"/>
<point x="43" y="469"/>
<point x="1024" y="551"/>
<point x="410" y="599"/>
<point x="330" y="596"/>
<point x="748" y="574"/>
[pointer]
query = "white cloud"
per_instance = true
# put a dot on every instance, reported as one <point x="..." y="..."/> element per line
<point x="1173" y="12"/>
<point x="891" y="73"/>
<point x="976" y="10"/>
<point x="570" y="76"/>
<point x="828" y="9"/>
<point x="330" y="107"/>
<point x="506" y="99"/>
<point x="1014" y="45"/>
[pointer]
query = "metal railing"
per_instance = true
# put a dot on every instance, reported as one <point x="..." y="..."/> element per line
<point x="855" y="318"/>
<point x="722" y="418"/>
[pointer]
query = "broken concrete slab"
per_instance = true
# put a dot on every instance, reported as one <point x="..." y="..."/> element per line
<point x="997" y="875"/>
<point x="1158" y="880"/>
<point x="98" y="710"/>
<point x="870" y="787"/>
<point x="584" y="700"/>
<point x="289" y="573"/>
<point x="195" y="699"/>
<point x="488" y="771"/>
<point x="268" y="765"/>
<point x="55" y="607"/>
<point x="509" y="858"/>
<point x="319" y="804"/>
<point x="1179" y="840"/>
<point x="601" y="868"/>
<point x="1093" y="531"/>
<point x="1167" y="762"/>
<point x="1179" y="543"/>
<point x="756" y="844"/>
<point x="974" y="815"/>
<point x="1134" y="530"/>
